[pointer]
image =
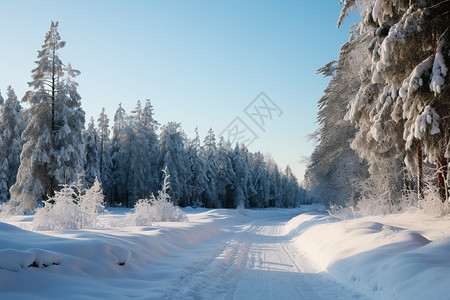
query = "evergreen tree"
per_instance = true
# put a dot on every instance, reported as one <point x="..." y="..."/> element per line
<point x="260" y="181"/>
<point x="198" y="182"/>
<point x="334" y="166"/>
<point x="11" y="130"/>
<point x="92" y="155"/>
<point x="52" y="153"/>
<point x="68" y="148"/>
<point x="173" y="156"/>
<point x="242" y="185"/>
<point x="403" y="97"/>
<point x="210" y="158"/>
<point x="274" y="182"/>
<point x="105" y="163"/>
<point x="151" y="126"/>
<point x="147" y="116"/>
<point x="119" y="158"/>
<point x="225" y="174"/>
<point x="291" y="195"/>
<point x="3" y="163"/>
<point x="142" y="171"/>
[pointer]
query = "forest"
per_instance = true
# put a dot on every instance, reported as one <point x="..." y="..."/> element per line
<point x="383" y="142"/>
<point x="124" y="207"/>
<point x="46" y="146"/>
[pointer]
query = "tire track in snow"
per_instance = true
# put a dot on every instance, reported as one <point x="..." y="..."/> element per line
<point x="255" y="261"/>
<point x="213" y="276"/>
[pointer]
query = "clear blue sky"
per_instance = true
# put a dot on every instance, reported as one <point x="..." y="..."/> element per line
<point x="200" y="62"/>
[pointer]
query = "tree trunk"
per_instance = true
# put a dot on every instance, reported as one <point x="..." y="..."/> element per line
<point x="442" y="170"/>
<point x="419" y="172"/>
<point x="101" y="157"/>
<point x="53" y="129"/>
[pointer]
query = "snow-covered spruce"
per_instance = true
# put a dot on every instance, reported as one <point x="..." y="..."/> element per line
<point x="11" y="128"/>
<point x="52" y="154"/>
<point x="400" y="106"/>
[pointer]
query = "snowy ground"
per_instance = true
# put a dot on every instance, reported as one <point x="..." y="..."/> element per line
<point x="222" y="254"/>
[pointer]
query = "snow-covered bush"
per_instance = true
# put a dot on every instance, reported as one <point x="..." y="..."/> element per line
<point x="59" y="212"/>
<point x="241" y="209"/>
<point x="70" y="208"/>
<point x="6" y="210"/>
<point x="431" y="203"/>
<point x="90" y="203"/>
<point x="156" y="209"/>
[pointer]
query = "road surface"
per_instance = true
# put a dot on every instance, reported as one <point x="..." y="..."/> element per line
<point x="253" y="260"/>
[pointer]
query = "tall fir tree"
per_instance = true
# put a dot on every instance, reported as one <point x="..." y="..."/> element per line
<point x="402" y="104"/>
<point x="173" y="156"/>
<point x="149" y="122"/>
<point x="225" y="174"/>
<point x="119" y="158"/>
<point x="92" y="154"/>
<point x="11" y="129"/>
<point x="210" y="159"/>
<point x="198" y="182"/>
<point x="68" y="147"/>
<point x="105" y="163"/>
<point x="52" y="154"/>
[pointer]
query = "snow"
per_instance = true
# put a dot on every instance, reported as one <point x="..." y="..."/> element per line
<point x="301" y="253"/>
<point x="376" y="11"/>
<point x="414" y="81"/>
<point x="439" y="70"/>
<point x="429" y="117"/>
<point x="408" y="24"/>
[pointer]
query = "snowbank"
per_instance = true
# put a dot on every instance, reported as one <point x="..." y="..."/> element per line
<point x="391" y="257"/>
<point x="402" y="256"/>
<point x="93" y="263"/>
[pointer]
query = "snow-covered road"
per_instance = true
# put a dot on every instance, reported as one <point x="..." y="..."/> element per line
<point x="253" y="260"/>
<point x="224" y="254"/>
<point x="217" y="254"/>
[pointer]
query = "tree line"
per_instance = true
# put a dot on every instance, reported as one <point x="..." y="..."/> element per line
<point x="383" y="140"/>
<point x="45" y="146"/>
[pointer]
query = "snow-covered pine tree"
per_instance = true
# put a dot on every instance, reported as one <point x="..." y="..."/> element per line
<point x="132" y="157"/>
<point x="149" y="122"/>
<point x="274" y="182"/>
<point x="260" y="181"/>
<point x="105" y="163"/>
<point x="173" y="156"/>
<point x="333" y="165"/>
<point x="46" y="150"/>
<point x="147" y="116"/>
<point x="11" y="128"/>
<point x="225" y="174"/>
<point x="242" y="185"/>
<point x="119" y="158"/>
<point x="92" y="155"/>
<point x="68" y="148"/>
<point x="142" y="172"/>
<point x="3" y="179"/>
<point x="137" y="112"/>
<point x="403" y="99"/>
<point x="120" y="120"/>
<point x="3" y="163"/>
<point x="210" y="158"/>
<point x="198" y="182"/>
<point x="291" y="195"/>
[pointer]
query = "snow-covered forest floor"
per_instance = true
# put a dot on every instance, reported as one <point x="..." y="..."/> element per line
<point x="298" y="253"/>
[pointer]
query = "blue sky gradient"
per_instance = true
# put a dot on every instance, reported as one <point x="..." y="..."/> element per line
<point x="200" y="62"/>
